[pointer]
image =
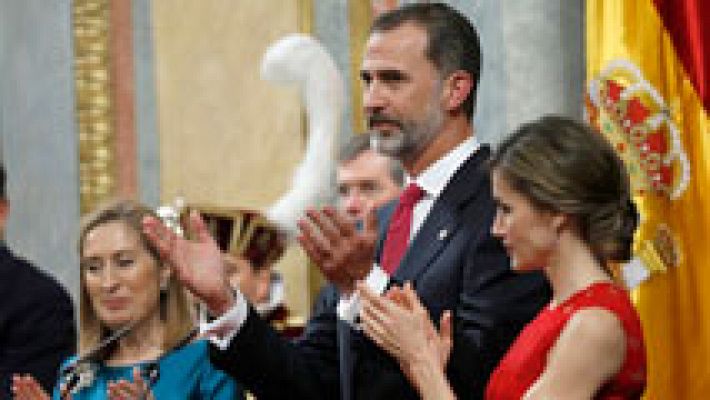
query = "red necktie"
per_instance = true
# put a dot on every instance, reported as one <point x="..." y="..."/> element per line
<point x="399" y="228"/>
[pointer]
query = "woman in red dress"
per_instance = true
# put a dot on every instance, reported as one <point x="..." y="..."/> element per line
<point x="564" y="206"/>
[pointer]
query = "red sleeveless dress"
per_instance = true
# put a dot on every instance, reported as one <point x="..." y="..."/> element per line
<point x="527" y="357"/>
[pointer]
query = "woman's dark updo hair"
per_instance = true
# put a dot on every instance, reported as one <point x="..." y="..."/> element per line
<point x="565" y="166"/>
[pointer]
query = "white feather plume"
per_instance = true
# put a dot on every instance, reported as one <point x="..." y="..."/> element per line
<point x="301" y="59"/>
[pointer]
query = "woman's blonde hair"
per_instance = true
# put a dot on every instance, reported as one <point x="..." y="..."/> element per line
<point x="565" y="166"/>
<point x="179" y="319"/>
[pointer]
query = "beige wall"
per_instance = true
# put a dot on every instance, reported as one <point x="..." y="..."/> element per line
<point x="227" y="138"/>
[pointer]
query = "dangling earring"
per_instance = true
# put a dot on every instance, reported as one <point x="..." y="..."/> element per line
<point x="163" y="302"/>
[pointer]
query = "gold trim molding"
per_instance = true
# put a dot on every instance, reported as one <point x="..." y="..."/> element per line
<point x="305" y="16"/>
<point x="94" y="108"/>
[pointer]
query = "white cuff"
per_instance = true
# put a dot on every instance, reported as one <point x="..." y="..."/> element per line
<point x="349" y="305"/>
<point x="377" y="279"/>
<point x="348" y="308"/>
<point x="222" y="330"/>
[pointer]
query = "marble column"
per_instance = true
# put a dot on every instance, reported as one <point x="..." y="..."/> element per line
<point x="38" y="135"/>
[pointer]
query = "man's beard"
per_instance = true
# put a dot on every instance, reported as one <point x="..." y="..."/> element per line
<point x="412" y="138"/>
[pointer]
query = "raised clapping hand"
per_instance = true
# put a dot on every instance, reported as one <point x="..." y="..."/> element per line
<point x="25" y="387"/>
<point x="399" y="324"/>
<point x="126" y="390"/>
<point x="342" y="252"/>
<point x="198" y="263"/>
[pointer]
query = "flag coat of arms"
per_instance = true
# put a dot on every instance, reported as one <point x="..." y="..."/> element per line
<point x="648" y="92"/>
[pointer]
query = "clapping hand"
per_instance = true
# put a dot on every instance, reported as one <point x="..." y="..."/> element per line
<point x="399" y="324"/>
<point x="126" y="390"/>
<point x="25" y="387"/>
<point x="343" y="252"/>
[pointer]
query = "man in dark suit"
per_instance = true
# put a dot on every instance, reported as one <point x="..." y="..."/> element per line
<point x="37" y="330"/>
<point x="420" y="70"/>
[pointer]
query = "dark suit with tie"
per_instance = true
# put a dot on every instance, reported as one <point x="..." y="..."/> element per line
<point x="37" y="330"/>
<point x="454" y="264"/>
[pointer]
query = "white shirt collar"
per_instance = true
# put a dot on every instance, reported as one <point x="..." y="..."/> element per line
<point x="437" y="176"/>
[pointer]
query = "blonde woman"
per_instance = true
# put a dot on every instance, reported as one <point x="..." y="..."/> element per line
<point x="124" y="283"/>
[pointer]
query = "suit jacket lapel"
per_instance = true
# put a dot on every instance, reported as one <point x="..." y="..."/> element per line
<point x="443" y="220"/>
<point x="431" y="239"/>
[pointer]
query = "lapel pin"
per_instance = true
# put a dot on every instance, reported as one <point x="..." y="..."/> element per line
<point x="443" y="234"/>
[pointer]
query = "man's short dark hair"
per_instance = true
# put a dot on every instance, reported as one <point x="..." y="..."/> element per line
<point x="358" y="144"/>
<point x="452" y="40"/>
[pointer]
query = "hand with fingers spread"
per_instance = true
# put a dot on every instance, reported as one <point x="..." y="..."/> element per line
<point x="125" y="390"/>
<point x="25" y="387"/>
<point x="343" y="252"/>
<point x="198" y="263"/>
<point x="399" y="324"/>
<point x="440" y="340"/>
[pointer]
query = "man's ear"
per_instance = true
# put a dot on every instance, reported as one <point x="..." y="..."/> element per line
<point x="457" y="87"/>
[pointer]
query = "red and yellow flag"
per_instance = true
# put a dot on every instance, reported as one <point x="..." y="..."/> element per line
<point x="647" y="87"/>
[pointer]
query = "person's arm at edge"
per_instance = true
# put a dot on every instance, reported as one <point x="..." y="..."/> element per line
<point x="589" y="351"/>
<point x="277" y="367"/>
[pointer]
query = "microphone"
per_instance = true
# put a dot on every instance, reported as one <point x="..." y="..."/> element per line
<point x="72" y="373"/>
<point x="82" y="366"/>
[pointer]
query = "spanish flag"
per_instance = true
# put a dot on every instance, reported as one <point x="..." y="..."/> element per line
<point x="648" y="91"/>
